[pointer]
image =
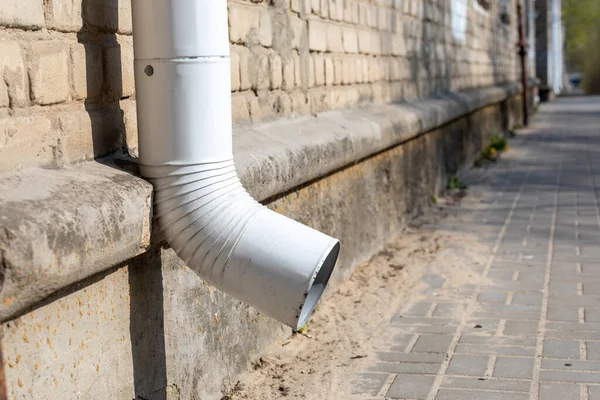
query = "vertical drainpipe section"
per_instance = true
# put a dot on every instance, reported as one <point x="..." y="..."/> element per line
<point x="183" y="92"/>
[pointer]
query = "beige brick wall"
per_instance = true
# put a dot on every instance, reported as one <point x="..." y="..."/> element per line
<point x="67" y="87"/>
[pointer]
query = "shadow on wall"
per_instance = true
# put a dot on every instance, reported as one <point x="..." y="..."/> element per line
<point x="104" y="91"/>
<point x="104" y="76"/>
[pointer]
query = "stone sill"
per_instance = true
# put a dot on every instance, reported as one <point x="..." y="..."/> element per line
<point x="58" y="227"/>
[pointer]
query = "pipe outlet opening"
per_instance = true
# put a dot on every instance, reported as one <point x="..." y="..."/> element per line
<point x="318" y="286"/>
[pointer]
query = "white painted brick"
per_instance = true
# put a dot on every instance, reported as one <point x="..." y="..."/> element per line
<point x="241" y="20"/>
<point x="317" y="35"/>
<point x="235" y="69"/>
<point x="288" y="74"/>
<point x="276" y="71"/>
<point x="86" y="71"/>
<point x="298" y="28"/>
<point x="324" y="9"/>
<point x="114" y="16"/>
<point x="64" y="15"/>
<point x="266" y="30"/>
<point x="319" y="62"/>
<point x="22" y="14"/>
<point x="329" y="71"/>
<point x="338" y="68"/>
<point x="350" y="40"/>
<point x="334" y="38"/>
<point x="244" y="55"/>
<point x="49" y="72"/>
<point x="12" y="69"/>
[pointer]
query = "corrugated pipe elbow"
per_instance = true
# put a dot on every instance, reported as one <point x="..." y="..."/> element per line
<point x="183" y="91"/>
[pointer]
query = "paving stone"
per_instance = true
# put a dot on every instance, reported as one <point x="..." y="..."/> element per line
<point x="559" y="391"/>
<point x="556" y="348"/>
<point x="499" y="340"/>
<point x="447" y="394"/>
<point x="511" y="385"/>
<point x="412" y="357"/>
<point x="419" y="309"/>
<point x="369" y="383"/>
<point x="493" y="349"/>
<point x="571" y="365"/>
<point x="527" y="298"/>
<point x="410" y="387"/>
<point x="521" y="328"/>
<point x="468" y="365"/>
<point x="570" y="376"/>
<point x="594" y="392"/>
<point x="492" y="297"/>
<point x="517" y="368"/>
<point x="432" y="344"/>
<point x="559" y="312"/>
<point x="407" y="368"/>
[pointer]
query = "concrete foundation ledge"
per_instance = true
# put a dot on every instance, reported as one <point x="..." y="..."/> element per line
<point x="58" y="227"/>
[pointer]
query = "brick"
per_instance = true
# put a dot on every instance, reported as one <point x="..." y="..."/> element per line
<point x="49" y="72"/>
<point x="369" y="383"/>
<point x="86" y="71"/>
<point x="517" y="368"/>
<point x="242" y="19"/>
<point x="114" y="16"/>
<point x="119" y="65"/>
<point x="448" y="394"/>
<point x="12" y="69"/>
<point x="289" y="75"/>
<point x="468" y="365"/>
<point x="432" y="344"/>
<point x="266" y="29"/>
<point x="276" y="71"/>
<point x="319" y="63"/>
<point x="131" y="127"/>
<point x="299" y="30"/>
<point x="4" y="99"/>
<point x="556" y="348"/>
<point x="244" y="55"/>
<point x="410" y="387"/>
<point x="334" y="38"/>
<point x="64" y="15"/>
<point x="317" y="35"/>
<point x="22" y="14"/>
<point x="511" y="385"/>
<point x="350" y="38"/>
<point x="21" y="144"/>
<point x="259" y="69"/>
<point x="239" y="107"/>
<point x="338" y="68"/>
<point x="324" y="9"/>
<point x="235" y="69"/>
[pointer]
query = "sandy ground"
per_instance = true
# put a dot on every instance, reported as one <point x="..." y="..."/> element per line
<point x="347" y="328"/>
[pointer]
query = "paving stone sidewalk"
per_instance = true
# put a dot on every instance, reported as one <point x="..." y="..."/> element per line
<point x="530" y="329"/>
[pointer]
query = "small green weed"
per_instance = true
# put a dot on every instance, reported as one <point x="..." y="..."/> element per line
<point x="454" y="182"/>
<point x="433" y="200"/>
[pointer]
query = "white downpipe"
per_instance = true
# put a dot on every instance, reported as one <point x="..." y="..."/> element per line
<point x="183" y="89"/>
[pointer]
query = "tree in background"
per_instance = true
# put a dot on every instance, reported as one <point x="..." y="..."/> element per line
<point x="582" y="24"/>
